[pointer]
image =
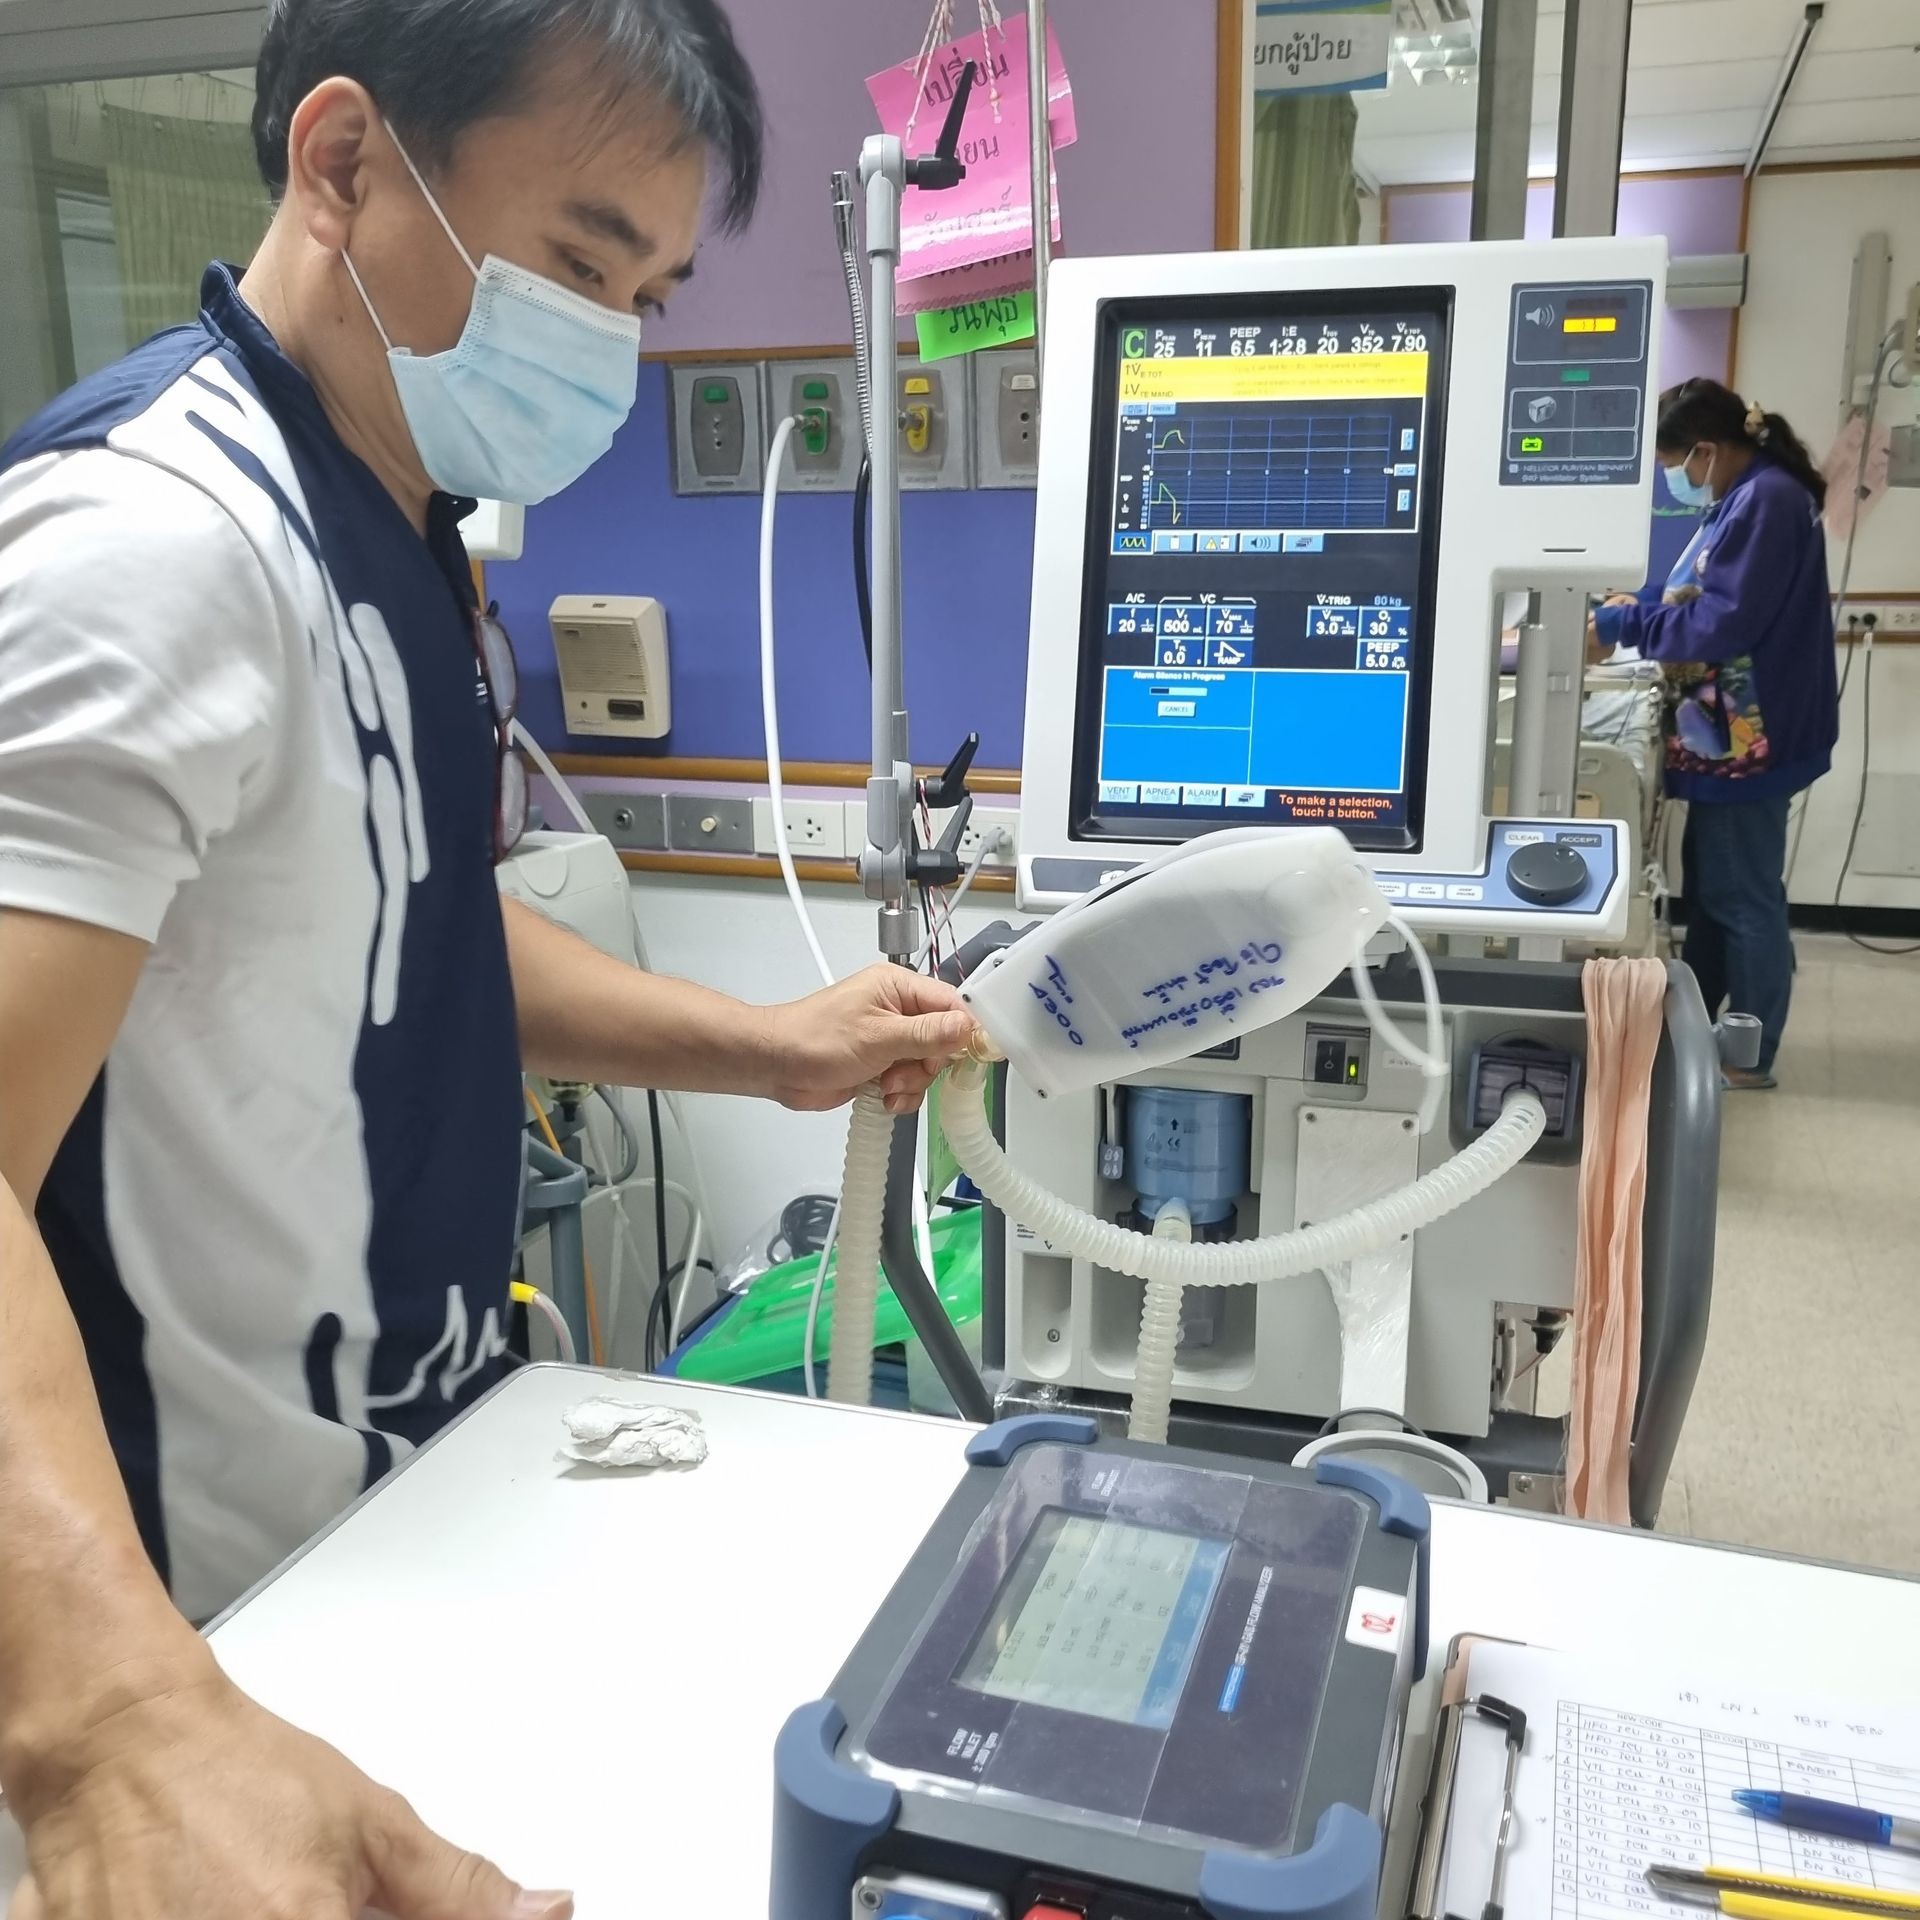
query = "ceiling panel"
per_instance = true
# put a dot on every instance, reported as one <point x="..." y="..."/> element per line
<point x="1700" y="77"/>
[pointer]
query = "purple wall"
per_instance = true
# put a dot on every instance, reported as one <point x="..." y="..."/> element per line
<point x="1699" y="213"/>
<point x="968" y="561"/>
<point x="1129" y="184"/>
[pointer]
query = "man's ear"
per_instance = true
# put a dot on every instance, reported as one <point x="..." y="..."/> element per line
<point x="328" y="147"/>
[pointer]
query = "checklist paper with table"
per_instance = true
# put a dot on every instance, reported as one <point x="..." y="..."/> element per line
<point x="1625" y="1770"/>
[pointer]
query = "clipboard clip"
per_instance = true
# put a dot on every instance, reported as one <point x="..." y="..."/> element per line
<point x="1429" y="1872"/>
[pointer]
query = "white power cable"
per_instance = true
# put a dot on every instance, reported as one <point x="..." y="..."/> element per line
<point x="770" y="721"/>
<point x="568" y="798"/>
<point x="813" y="1300"/>
<point x="769" y="700"/>
<point x="1429" y="1059"/>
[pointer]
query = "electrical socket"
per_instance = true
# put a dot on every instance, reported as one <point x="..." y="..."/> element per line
<point x="816" y="829"/>
<point x="981" y="828"/>
<point x="1901" y="616"/>
<point x="981" y="823"/>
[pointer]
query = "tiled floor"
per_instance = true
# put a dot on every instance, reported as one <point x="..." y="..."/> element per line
<point x="1804" y="1433"/>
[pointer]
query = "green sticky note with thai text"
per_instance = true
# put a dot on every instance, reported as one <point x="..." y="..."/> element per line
<point x="1003" y="321"/>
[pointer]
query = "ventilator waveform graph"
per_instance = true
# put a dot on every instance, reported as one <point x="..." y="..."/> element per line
<point x="1217" y="467"/>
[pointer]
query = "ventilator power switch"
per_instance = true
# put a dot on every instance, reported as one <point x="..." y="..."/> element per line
<point x="1549" y="873"/>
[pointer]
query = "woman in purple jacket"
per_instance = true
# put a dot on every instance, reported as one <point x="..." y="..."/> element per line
<point x="1744" y="626"/>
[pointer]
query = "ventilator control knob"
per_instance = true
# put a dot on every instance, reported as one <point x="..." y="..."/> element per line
<point x="1547" y="873"/>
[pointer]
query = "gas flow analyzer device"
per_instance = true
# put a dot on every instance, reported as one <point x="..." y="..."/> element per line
<point x="1118" y="1682"/>
<point x="1281" y="498"/>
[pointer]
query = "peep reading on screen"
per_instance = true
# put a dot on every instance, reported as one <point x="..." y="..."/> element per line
<point x="1264" y="538"/>
<point x="1098" y="1617"/>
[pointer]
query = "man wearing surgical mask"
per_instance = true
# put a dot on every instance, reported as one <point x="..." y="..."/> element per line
<point x="262" y="1014"/>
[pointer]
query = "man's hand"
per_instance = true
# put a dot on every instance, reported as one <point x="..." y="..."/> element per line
<point x="195" y="1801"/>
<point x="885" y="1024"/>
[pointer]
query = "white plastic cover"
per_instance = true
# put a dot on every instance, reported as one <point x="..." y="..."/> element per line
<point x="1218" y="938"/>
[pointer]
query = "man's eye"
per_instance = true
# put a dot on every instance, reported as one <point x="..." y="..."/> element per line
<point x="586" y="275"/>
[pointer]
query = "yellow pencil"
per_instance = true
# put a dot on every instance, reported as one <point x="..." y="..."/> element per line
<point x="1768" y="1896"/>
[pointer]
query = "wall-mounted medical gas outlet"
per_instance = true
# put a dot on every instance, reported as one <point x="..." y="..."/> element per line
<point x="1006" y="419"/>
<point x="704" y="823"/>
<point x="719" y="445"/>
<point x="824" y="454"/>
<point x="634" y="822"/>
<point x="931" y="423"/>
<point x="612" y="655"/>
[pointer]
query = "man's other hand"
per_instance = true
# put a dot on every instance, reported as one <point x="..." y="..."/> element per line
<point x="886" y="1025"/>
<point x="195" y="1801"/>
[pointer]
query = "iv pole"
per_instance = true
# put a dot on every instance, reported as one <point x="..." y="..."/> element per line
<point x="890" y="863"/>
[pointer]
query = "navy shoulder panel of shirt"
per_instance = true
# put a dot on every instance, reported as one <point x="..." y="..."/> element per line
<point x="86" y="414"/>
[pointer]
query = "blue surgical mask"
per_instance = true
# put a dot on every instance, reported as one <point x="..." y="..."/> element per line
<point x="532" y="393"/>
<point x="1697" y="494"/>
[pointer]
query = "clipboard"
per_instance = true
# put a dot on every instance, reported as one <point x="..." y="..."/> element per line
<point x="1426" y="1895"/>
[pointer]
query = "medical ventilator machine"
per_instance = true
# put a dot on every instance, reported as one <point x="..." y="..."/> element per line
<point x="1232" y="1200"/>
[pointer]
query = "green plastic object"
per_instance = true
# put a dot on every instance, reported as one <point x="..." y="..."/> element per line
<point x="765" y="1333"/>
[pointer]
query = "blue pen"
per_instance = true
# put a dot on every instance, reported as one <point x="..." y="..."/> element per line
<point x="1831" y="1816"/>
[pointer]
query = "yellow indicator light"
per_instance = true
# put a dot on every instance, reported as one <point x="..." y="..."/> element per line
<point x="1604" y="323"/>
<point x="919" y="383"/>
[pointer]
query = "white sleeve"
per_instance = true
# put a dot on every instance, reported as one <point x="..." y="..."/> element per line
<point x="141" y="676"/>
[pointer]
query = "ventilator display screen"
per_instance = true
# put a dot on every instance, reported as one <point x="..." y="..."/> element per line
<point x="1098" y="1617"/>
<point x="1262" y="545"/>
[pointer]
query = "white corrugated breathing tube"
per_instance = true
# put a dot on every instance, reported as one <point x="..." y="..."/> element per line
<point x="1169" y="1266"/>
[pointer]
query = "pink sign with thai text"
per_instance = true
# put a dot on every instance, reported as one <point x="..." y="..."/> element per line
<point x="967" y="231"/>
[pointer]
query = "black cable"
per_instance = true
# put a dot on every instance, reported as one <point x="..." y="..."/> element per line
<point x="660" y="1297"/>
<point x="803" y="1228"/>
<point x="862" y="583"/>
<point x="1859" y="814"/>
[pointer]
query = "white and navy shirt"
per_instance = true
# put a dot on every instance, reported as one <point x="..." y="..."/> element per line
<point x="241" y="720"/>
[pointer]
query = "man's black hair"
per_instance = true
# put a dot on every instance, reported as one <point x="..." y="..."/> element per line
<point x="437" y="66"/>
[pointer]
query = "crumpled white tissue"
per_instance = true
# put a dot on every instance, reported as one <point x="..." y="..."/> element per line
<point x="617" y="1433"/>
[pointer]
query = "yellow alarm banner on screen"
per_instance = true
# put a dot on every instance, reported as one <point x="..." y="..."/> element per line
<point x="1276" y="376"/>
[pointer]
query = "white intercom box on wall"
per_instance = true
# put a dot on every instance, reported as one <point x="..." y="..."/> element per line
<point x="612" y="654"/>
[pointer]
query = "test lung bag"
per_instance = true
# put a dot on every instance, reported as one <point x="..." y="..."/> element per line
<point x="1213" y="940"/>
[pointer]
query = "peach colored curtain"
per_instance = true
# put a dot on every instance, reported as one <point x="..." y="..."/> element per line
<point x="1623" y="1002"/>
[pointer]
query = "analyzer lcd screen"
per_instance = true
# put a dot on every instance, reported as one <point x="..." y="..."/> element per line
<point x="1262" y="546"/>
<point x="1098" y="1617"/>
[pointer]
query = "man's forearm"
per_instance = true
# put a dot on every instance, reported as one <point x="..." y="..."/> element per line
<point x="86" y="1628"/>
<point x="586" y="1016"/>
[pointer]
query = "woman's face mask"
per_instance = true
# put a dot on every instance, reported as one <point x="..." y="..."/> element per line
<point x="531" y="394"/>
<point x="1688" y="491"/>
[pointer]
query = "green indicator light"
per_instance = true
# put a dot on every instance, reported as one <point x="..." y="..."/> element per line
<point x="714" y="395"/>
<point x="814" y="390"/>
<point x="1576" y="376"/>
